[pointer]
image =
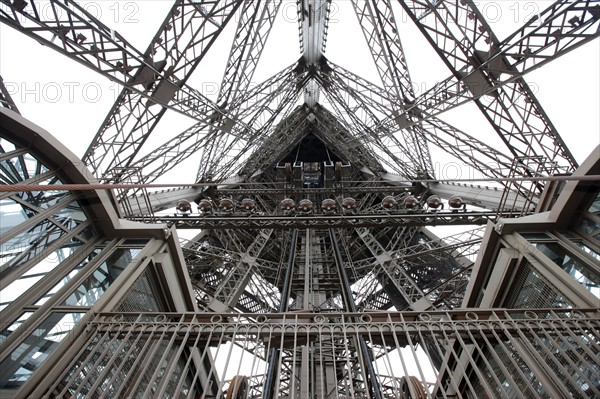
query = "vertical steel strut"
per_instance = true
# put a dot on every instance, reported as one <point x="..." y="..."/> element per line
<point x="285" y="294"/>
<point x="351" y="306"/>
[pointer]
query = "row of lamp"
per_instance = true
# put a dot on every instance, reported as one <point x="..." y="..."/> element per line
<point x="328" y="206"/>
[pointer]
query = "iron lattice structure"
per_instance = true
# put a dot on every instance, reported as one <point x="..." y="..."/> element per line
<point x="351" y="158"/>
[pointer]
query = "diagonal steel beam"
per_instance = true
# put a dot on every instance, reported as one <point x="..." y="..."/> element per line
<point x="252" y="32"/>
<point x="5" y="98"/>
<point x="465" y="42"/>
<point x="552" y="33"/>
<point x="388" y="271"/>
<point x="234" y="283"/>
<point x="261" y="107"/>
<point x="446" y="290"/>
<point x="373" y="102"/>
<point x="378" y="23"/>
<point x="254" y="26"/>
<point x="394" y="151"/>
<point x="156" y="76"/>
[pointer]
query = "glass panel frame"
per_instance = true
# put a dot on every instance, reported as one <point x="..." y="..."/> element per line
<point x="18" y="367"/>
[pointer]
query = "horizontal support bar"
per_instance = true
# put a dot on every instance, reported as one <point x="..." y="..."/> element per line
<point x="294" y="325"/>
<point x="388" y="219"/>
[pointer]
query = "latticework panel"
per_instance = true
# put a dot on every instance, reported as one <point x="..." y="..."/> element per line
<point x="540" y="353"/>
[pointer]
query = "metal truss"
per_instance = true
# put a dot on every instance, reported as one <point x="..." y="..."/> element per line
<point x="254" y="26"/>
<point x="286" y="135"/>
<point x="291" y="131"/>
<point x="453" y="242"/>
<point x="379" y="27"/>
<point x="235" y="280"/>
<point x="393" y="152"/>
<point x="230" y="154"/>
<point x="471" y="151"/>
<point x="462" y="38"/>
<point x="562" y="27"/>
<point x="441" y="268"/>
<point x="250" y="37"/>
<point x="255" y="221"/>
<point x="347" y="138"/>
<point x="5" y="99"/>
<point x="494" y="350"/>
<point x="313" y="24"/>
<point x="291" y="294"/>
<point x="254" y="105"/>
<point x="394" y="279"/>
<point x="86" y="40"/>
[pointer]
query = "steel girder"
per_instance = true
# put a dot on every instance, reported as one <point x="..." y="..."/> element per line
<point x="5" y="99"/>
<point x="313" y="23"/>
<point x="473" y="152"/>
<point x="252" y="31"/>
<point x="295" y="127"/>
<point x="378" y="23"/>
<point x="285" y="136"/>
<point x="562" y="27"/>
<point x="234" y="283"/>
<point x="432" y="243"/>
<point x="461" y="36"/>
<point x="235" y="274"/>
<point x="226" y="153"/>
<point x="156" y="76"/>
<point x="228" y="272"/>
<point x="391" y="150"/>
<point x="346" y="138"/>
<point x="398" y="219"/>
<point x="278" y="191"/>
<point x="468" y="149"/>
<point x="262" y="106"/>
<point x="443" y="286"/>
<point x="392" y="276"/>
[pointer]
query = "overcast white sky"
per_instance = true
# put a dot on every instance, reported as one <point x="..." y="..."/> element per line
<point x="71" y="101"/>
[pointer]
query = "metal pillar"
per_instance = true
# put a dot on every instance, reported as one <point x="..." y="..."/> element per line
<point x="351" y="306"/>
<point x="270" y="378"/>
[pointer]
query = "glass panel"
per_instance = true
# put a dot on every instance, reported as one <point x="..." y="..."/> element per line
<point x="19" y="168"/>
<point x="66" y="279"/>
<point x="575" y="267"/>
<point x="8" y="330"/>
<point x="35" y="348"/>
<point x="28" y="166"/>
<point x="588" y="250"/>
<point x="69" y="214"/>
<point x="532" y="291"/>
<point x="11" y="292"/>
<point x="595" y="206"/>
<point x="590" y="227"/>
<point x="12" y="214"/>
<point x="43" y="199"/>
<point x="579" y="242"/>
<point x="36" y="251"/>
<point x="536" y="236"/>
<point x="29" y="243"/>
<point x="88" y="293"/>
<point x="41" y="235"/>
<point x="144" y="295"/>
<point x="6" y="146"/>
